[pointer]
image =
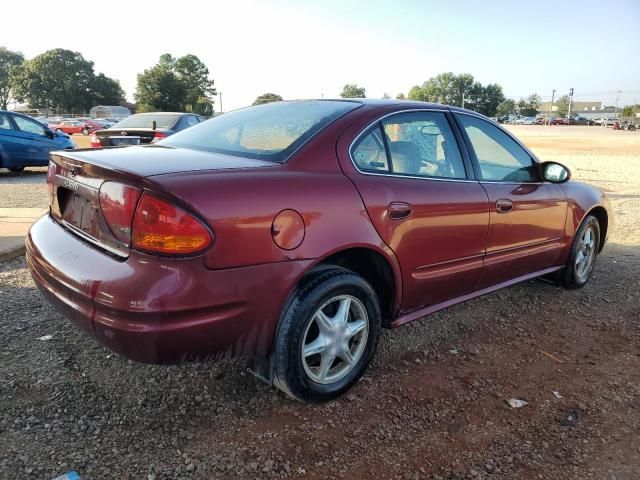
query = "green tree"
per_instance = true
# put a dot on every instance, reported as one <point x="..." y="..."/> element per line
<point x="199" y="87"/>
<point x="529" y="107"/>
<point x="563" y="106"/>
<point x="400" y="96"/>
<point x="160" y="89"/>
<point x="106" y="91"/>
<point x="57" y="78"/>
<point x="446" y="88"/>
<point x="506" y="107"/>
<point x="627" y="111"/>
<point x="267" y="98"/>
<point x="458" y="90"/>
<point x="351" y="90"/>
<point x="180" y="84"/>
<point x="485" y="99"/>
<point x="9" y="64"/>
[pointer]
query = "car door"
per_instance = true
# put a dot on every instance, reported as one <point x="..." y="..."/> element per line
<point x="34" y="144"/>
<point x="527" y="215"/>
<point x="10" y="143"/>
<point x="422" y="199"/>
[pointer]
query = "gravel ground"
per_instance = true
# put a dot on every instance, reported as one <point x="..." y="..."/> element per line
<point x="432" y="406"/>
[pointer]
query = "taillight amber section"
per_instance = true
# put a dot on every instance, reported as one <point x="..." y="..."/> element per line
<point x="161" y="227"/>
<point x="118" y="204"/>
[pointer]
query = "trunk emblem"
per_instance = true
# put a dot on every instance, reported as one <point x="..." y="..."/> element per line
<point x="124" y="134"/>
<point x="71" y="184"/>
<point x="73" y="172"/>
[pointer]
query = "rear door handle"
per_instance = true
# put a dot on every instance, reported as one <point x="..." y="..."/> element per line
<point x="504" y="206"/>
<point x="398" y="210"/>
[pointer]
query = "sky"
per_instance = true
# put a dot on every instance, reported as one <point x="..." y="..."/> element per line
<point x="310" y="49"/>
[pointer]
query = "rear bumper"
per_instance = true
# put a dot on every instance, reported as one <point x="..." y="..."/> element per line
<point x="160" y="310"/>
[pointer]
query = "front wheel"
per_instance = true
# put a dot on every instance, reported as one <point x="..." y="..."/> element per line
<point x="327" y="336"/>
<point x="16" y="169"/>
<point x="582" y="257"/>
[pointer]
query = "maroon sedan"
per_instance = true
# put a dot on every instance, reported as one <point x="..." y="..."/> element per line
<point x="293" y="232"/>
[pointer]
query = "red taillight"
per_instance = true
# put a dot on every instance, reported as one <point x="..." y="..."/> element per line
<point x="158" y="136"/>
<point x="95" y="143"/>
<point x="161" y="227"/>
<point x="118" y="204"/>
<point x="51" y="176"/>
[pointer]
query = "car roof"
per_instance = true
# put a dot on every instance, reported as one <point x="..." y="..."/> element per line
<point x="161" y="113"/>
<point x="381" y="102"/>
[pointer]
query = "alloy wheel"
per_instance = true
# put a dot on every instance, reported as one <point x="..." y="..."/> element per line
<point x="335" y="339"/>
<point x="585" y="254"/>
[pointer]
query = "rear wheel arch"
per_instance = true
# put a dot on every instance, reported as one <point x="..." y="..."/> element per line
<point x="373" y="267"/>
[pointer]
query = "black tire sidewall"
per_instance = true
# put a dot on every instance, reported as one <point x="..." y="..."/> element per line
<point x="570" y="279"/>
<point x="298" y="315"/>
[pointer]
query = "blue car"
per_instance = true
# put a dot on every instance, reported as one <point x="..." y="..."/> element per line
<point x="25" y="142"/>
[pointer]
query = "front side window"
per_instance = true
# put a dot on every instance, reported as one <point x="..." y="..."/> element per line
<point x="5" y="124"/>
<point x="29" y="126"/>
<point x="499" y="156"/>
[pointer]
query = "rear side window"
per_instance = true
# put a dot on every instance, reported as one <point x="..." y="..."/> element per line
<point x="192" y="120"/>
<point x="499" y="156"/>
<point x="420" y="144"/>
<point x="272" y="131"/>
<point x="369" y="152"/>
<point x="5" y="124"/>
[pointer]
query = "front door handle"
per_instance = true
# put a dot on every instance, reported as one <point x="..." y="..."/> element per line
<point x="398" y="210"/>
<point x="504" y="206"/>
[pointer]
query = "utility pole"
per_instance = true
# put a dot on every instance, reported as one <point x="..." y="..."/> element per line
<point x="462" y="100"/>
<point x="570" y="100"/>
<point x="220" y="93"/>
<point x="617" y="99"/>
<point x="553" y="96"/>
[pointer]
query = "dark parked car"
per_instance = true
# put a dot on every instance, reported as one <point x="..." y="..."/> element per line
<point x="293" y="232"/>
<point x="25" y="142"/>
<point x="144" y="128"/>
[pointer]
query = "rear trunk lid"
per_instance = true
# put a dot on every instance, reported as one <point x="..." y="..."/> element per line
<point x="75" y="184"/>
<point x="114" y="137"/>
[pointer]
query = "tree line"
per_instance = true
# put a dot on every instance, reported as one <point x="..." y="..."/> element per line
<point x="463" y="90"/>
<point x="65" y="81"/>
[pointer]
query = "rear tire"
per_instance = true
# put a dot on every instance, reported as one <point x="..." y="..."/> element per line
<point x="583" y="254"/>
<point x="327" y="336"/>
<point x="16" y="169"/>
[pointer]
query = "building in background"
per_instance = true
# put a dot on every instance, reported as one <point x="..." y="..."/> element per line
<point x="577" y="107"/>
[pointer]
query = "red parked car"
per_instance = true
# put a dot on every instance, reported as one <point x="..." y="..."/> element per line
<point x="76" y="126"/>
<point x="293" y="232"/>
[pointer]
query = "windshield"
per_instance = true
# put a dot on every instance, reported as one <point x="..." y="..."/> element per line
<point x="267" y="132"/>
<point x="146" y="121"/>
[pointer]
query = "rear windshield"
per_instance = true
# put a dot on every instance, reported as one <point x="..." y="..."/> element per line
<point x="146" y="121"/>
<point x="266" y="132"/>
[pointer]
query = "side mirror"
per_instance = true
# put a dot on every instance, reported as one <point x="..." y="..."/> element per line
<point x="555" y="172"/>
<point x="49" y="133"/>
